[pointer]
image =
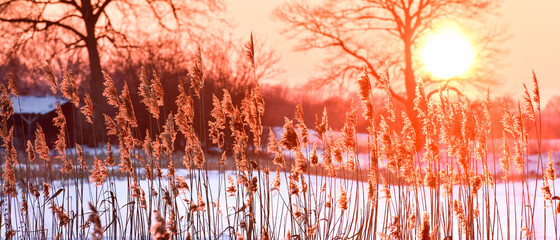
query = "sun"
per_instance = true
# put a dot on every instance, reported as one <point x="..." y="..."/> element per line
<point x="447" y="53"/>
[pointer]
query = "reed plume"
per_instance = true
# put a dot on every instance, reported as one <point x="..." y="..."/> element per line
<point x="218" y="125"/>
<point x="69" y="88"/>
<point x="12" y="86"/>
<point x="290" y="139"/>
<point x="342" y="199"/>
<point x="126" y="109"/>
<point x="87" y="109"/>
<point x="30" y="151"/>
<point x="528" y="104"/>
<point x="110" y="159"/>
<point x="250" y="51"/>
<point x="61" y="215"/>
<point x="536" y="92"/>
<point x="110" y="91"/>
<point x="549" y="172"/>
<point x="197" y="73"/>
<point x="51" y="79"/>
<point x="46" y="190"/>
<point x="232" y="187"/>
<point x="81" y="158"/>
<point x="460" y="214"/>
<point x="6" y="105"/>
<point x="99" y="172"/>
<point x="274" y="147"/>
<point x="304" y="131"/>
<point x="8" y="173"/>
<point x="364" y="90"/>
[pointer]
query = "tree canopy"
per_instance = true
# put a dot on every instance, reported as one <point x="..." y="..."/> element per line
<point x="101" y="25"/>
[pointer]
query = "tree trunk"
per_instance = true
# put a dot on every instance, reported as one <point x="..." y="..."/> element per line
<point x="96" y="75"/>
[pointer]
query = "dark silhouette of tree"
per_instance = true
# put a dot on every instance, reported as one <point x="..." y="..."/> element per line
<point x="550" y="118"/>
<point x="553" y="105"/>
<point x="228" y="67"/>
<point x="373" y="33"/>
<point x="91" y="23"/>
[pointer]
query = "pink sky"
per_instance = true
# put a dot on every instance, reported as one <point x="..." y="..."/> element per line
<point x="533" y="25"/>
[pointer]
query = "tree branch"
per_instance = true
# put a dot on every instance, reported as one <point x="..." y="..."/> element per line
<point x="34" y="21"/>
<point x="101" y="10"/>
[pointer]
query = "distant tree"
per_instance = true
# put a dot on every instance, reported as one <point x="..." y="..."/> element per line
<point x="553" y="105"/>
<point x="551" y="118"/>
<point x="90" y="24"/>
<point x="228" y="67"/>
<point x="377" y="32"/>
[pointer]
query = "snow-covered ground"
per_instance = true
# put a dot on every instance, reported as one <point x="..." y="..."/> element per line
<point x="279" y="198"/>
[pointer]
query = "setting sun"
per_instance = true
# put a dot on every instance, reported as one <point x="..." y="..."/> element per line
<point x="447" y="53"/>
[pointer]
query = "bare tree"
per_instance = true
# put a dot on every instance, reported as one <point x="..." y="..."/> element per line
<point x="228" y="66"/>
<point x="374" y="33"/>
<point x="91" y="23"/>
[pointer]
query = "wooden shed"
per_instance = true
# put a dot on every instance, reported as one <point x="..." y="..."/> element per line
<point x="30" y="111"/>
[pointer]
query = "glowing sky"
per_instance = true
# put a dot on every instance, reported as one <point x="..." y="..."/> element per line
<point x="534" y="44"/>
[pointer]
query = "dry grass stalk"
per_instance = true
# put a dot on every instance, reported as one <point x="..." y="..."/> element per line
<point x="110" y="159"/>
<point x="51" y="79"/>
<point x="110" y="91"/>
<point x="274" y="147"/>
<point x="61" y="215"/>
<point x="69" y="88"/>
<point x="460" y="214"/>
<point x="536" y="92"/>
<point x="30" y="151"/>
<point x="81" y="158"/>
<point x="126" y="110"/>
<point x="342" y="199"/>
<point x="232" y="187"/>
<point x="290" y="139"/>
<point x="99" y="172"/>
<point x="364" y="90"/>
<point x="34" y="191"/>
<point x="250" y="51"/>
<point x="46" y="190"/>
<point x="424" y="229"/>
<point x="412" y="220"/>
<point x="60" y="145"/>
<point x="549" y="172"/>
<point x="234" y="127"/>
<point x="8" y="173"/>
<point x="97" y="233"/>
<point x="529" y="104"/>
<point x="197" y="73"/>
<point x="167" y="137"/>
<point x="158" y="229"/>
<point x="304" y="131"/>
<point x="12" y="86"/>
<point x="218" y="125"/>
<point x="87" y="109"/>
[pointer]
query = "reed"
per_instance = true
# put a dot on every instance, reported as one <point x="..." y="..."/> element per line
<point x="300" y="182"/>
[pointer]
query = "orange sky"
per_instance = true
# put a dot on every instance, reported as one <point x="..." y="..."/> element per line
<point x="533" y="25"/>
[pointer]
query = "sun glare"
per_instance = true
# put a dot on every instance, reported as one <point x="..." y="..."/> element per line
<point x="447" y="53"/>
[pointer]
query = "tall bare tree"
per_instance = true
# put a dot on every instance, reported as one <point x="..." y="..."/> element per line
<point x="374" y="33"/>
<point x="91" y="23"/>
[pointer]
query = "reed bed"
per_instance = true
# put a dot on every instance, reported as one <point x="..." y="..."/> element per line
<point x="439" y="183"/>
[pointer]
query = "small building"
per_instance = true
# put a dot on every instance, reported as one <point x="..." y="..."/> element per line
<point x="30" y="111"/>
